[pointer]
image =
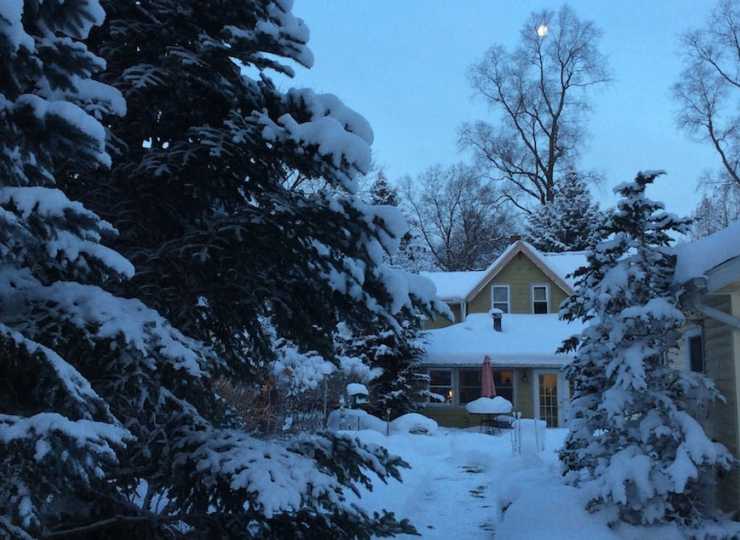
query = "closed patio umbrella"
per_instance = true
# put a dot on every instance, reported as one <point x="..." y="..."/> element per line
<point x="487" y="387"/>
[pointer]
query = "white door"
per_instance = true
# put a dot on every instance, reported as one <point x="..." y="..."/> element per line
<point x="550" y="397"/>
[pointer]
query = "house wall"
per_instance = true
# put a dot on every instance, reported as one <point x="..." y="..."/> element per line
<point x="441" y="322"/>
<point x="722" y="365"/>
<point x="519" y="274"/>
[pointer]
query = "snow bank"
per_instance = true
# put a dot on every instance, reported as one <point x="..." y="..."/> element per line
<point x="355" y="419"/>
<point x="414" y="423"/>
<point x="359" y="420"/>
<point x="484" y="405"/>
<point x="551" y="512"/>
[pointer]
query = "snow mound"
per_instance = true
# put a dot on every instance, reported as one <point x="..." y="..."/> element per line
<point x="414" y="423"/>
<point x="560" y="514"/>
<point x="355" y="419"/>
<point x="484" y="405"/>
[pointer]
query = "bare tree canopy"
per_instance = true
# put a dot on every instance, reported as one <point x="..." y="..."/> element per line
<point x="708" y="91"/>
<point x="463" y="219"/>
<point x="540" y="94"/>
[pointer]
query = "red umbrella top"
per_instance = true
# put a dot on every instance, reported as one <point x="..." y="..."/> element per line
<point x="487" y="387"/>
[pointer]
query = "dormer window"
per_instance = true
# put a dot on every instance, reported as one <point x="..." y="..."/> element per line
<point x="540" y="299"/>
<point x="501" y="297"/>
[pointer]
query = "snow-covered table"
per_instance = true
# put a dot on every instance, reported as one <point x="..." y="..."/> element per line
<point x="490" y="411"/>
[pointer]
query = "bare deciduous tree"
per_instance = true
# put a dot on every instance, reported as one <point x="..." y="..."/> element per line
<point x="708" y="91"/>
<point x="462" y="219"/>
<point x="540" y="94"/>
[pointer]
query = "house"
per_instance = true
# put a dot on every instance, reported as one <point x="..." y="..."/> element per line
<point x="708" y="273"/>
<point x="527" y="288"/>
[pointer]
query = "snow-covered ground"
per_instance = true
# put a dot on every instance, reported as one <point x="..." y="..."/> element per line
<point x="462" y="480"/>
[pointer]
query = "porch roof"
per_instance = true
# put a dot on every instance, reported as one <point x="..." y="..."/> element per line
<point x="525" y="340"/>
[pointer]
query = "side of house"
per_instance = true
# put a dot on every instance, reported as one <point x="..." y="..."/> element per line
<point x="708" y="272"/>
<point x="527" y="287"/>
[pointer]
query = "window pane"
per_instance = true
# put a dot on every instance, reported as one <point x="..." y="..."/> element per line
<point x="444" y="391"/>
<point x="469" y="394"/>
<point x="500" y="294"/>
<point x="440" y="377"/>
<point x="470" y="377"/>
<point x="506" y="393"/>
<point x="540" y="307"/>
<point x="696" y="354"/>
<point x="502" y="306"/>
<point x="540" y="294"/>
<point x="503" y="377"/>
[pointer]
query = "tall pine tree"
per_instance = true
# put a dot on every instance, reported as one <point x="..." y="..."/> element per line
<point x="80" y="368"/>
<point x="567" y="223"/>
<point x="632" y="444"/>
<point x="237" y="260"/>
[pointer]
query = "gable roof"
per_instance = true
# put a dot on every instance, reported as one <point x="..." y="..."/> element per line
<point x="462" y="286"/>
<point x="554" y="266"/>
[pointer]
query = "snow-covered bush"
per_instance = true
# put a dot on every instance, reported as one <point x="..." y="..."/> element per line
<point x="632" y="444"/>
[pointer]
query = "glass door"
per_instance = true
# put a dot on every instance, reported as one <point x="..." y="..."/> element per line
<point x="547" y="398"/>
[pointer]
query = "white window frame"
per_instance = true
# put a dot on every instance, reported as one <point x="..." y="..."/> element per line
<point x="508" y="295"/>
<point x="532" y="287"/>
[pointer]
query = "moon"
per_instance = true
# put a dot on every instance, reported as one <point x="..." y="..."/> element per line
<point x="542" y="30"/>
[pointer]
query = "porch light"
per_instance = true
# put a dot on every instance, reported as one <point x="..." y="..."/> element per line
<point x="449" y="395"/>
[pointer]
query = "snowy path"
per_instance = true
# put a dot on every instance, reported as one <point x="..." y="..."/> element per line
<point x="456" y="480"/>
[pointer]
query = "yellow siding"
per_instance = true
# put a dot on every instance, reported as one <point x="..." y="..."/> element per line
<point x="519" y="274"/>
<point x="440" y="322"/>
<point x="722" y="349"/>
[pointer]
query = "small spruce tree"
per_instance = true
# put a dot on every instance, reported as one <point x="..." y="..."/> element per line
<point x="569" y="221"/>
<point x="632" y="445"/>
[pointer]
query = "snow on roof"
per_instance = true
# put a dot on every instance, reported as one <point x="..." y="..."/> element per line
<point x="454" y="285"/>
<point x="565" y="263"/>
<point x="524" y="340"/>
<point x="697" y="258"/>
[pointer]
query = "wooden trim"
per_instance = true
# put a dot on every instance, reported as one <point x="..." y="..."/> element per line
<point x="508" y="295"/>
<point x="531" y="295"/>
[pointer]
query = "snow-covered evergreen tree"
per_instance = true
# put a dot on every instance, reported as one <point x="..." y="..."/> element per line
<point x="398" y="384"/>
<point x="74" y="359"/>
<point x="567" y="223"/>
<point x="632" y="444"/>
<point x="382" y="192"/>
<point x="234" y="257"/>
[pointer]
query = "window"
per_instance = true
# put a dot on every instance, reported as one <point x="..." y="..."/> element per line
<point x="440" y="382"/>
<point x="540" y="299"/>
<point x="696" y="354"/>
<point x="501" y="298"/>
<point x="469" y="385"/>
<point x="503" y="380"/>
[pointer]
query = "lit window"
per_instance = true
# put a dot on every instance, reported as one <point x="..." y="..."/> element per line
<point x="501" y="298"/>
<point x="440" y="383"/>
<point x="540" y="299"/>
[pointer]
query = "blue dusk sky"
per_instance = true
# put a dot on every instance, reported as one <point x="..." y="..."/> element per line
<point x="403" y="64"/>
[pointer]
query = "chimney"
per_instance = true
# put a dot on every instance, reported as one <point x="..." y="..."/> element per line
<point x="497" y="315"/>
